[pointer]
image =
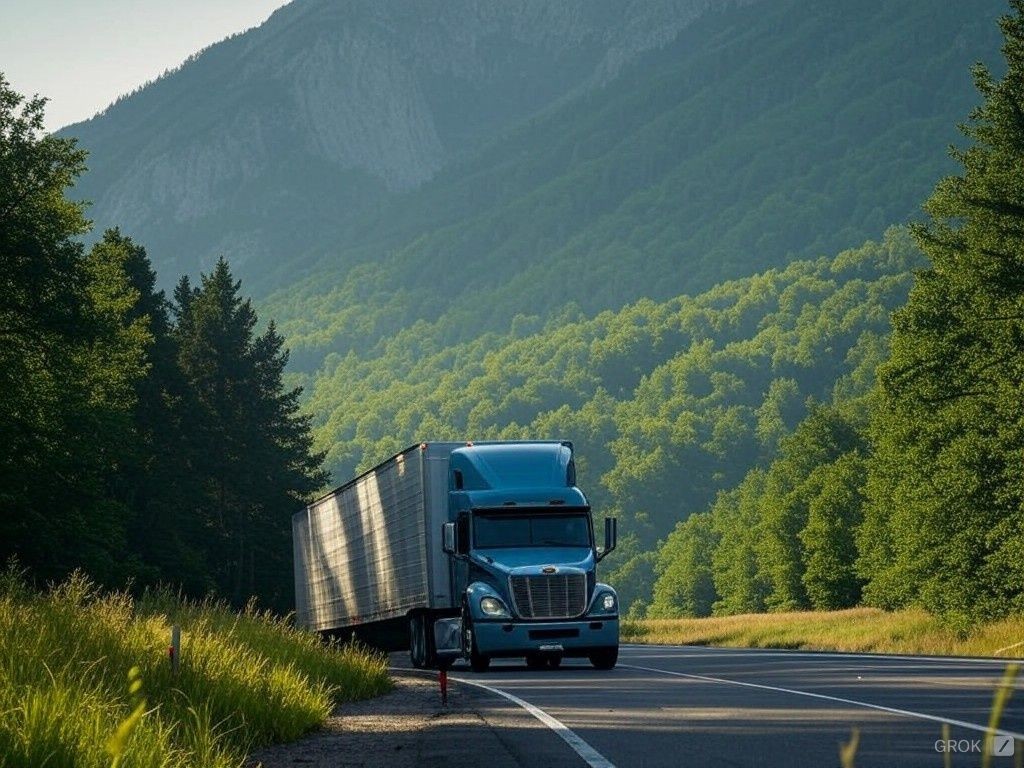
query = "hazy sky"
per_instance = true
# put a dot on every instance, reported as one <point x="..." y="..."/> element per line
<point x="83" y="54"/>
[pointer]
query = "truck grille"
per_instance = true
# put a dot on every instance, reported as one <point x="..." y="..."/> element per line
<point x="561" y="596"/>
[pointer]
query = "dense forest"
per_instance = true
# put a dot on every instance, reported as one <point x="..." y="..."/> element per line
<point x="798" y="431"/>
<point x="141" y="439"/>
<point x="910" y="493"/>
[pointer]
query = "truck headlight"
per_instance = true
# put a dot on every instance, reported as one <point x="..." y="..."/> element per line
<point x="492" y="606"/>
<point x="608" y="602"/>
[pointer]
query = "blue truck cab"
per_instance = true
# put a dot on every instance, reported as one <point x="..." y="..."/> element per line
<point x="523" y="559"/>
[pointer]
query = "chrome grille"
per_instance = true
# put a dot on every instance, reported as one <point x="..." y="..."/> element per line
<point x="560" y="596"/>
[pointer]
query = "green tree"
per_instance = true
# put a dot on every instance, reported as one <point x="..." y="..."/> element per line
<point x="67" y="361"/>
<point x="685" y="585"/>
<point x="829" y="546"/>
<point x="947" y="486"/>
<point x="249" y="445"/>
<point x="739" y="579"/>
<point x="793" y="484"/>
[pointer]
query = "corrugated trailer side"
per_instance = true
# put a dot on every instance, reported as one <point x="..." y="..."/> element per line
<point x="363" y="553"/>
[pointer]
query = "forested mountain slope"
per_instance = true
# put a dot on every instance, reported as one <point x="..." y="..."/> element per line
<point x="779" y="130"/>
<point x="667" y="402"/>
<point x="258" y="146"/>
<point x="531" y="156"/>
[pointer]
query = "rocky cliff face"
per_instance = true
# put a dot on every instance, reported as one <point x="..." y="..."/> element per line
<point x="330" y="106"/>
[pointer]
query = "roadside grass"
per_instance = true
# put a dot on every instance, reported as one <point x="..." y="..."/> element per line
<point x="860" y="630"/>
<point x="85" y="679"/>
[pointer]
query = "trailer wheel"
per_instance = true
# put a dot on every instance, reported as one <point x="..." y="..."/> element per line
<point x="555" y="660"/>
<point x="417" y="641"/>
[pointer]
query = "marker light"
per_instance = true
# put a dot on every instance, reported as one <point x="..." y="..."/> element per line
<point x="608" y="602"/>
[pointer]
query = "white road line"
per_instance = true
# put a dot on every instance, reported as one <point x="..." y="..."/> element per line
<point x="1008" y="647"/>
<point x="726" y="651"/>
<point x="866" y="705"/>
<point x="591" y="756"/>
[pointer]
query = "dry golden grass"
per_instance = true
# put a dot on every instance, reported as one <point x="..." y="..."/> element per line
<point x="863" y="630"/>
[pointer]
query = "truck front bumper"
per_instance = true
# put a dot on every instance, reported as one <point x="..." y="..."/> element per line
<point x="570" y="638"/>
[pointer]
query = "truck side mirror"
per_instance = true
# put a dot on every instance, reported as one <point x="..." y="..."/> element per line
<point x="610" y="536"/>
<point x="448" y="538"/>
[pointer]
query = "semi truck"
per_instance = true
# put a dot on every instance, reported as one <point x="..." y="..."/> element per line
<point x="473" y="550"/>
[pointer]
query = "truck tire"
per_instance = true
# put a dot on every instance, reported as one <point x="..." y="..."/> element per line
<point x="604" y="658"/>
<point x="417" y="642"/>
<point x="554" y="660"/>
<point x="478" y="662"/>
<point x="535" y="661"/>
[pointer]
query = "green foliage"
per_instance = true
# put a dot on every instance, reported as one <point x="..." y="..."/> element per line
<point x="130" y="445"/>
<point x="251" y="446"/>
<point x="68" y="357"/>
<point x="668" y="403"/>
<point x="739" y="578"/>
<point x="798" y="526"/>
<point x="245" y="679"/>
<point x="685" y="586"/>
<point x="946" y="495"/>
<point x="829" y="550"/>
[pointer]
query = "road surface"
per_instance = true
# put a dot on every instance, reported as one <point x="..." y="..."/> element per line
<point x="680" y="706"/>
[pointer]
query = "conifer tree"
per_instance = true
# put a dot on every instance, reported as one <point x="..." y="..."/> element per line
<point x="251" y="447"/>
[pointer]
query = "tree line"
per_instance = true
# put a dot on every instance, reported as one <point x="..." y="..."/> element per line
<point x="142" y="438"/>
<point x="914" y="493"/>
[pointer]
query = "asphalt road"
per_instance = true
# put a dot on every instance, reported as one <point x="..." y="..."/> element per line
<point x="690" y="706"/>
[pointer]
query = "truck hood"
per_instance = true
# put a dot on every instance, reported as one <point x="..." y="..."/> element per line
<point x="522" y="561"/>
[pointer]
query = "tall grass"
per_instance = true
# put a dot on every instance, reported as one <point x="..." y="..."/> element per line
<point x="864" y="630"/>
<point x="245" y="679"/>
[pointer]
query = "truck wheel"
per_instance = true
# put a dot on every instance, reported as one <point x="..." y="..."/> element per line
<point x="417" y="641"/>
<point x="604" y="658"/>
<point x="478" y="662"/>
<point x="555" y="661"/>
<point x="535" y="661"/>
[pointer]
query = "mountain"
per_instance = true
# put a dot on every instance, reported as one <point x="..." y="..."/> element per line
<point x="529" y="156"/>
<point x="760" y="134"/>
<point x="258" y="146"/>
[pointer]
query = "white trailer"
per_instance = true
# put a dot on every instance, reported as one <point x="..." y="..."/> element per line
<point x="370" y="552"/>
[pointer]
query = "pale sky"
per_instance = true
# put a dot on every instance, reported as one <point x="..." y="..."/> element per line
<point x="83" y="54"/>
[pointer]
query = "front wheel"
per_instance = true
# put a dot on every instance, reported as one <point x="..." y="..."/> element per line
<point x="604" y="658"/>
<point x="535" y="661"/>
<point x="478" y="662"/>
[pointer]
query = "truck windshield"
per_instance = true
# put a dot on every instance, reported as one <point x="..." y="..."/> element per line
<point x="504" y="529"/>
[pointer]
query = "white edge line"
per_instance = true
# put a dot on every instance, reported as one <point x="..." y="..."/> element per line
<point x="591" y="756"/>
<point x="1008" y="647"/>
<point x="866" y="705"/>
<point x="736" y="651"/>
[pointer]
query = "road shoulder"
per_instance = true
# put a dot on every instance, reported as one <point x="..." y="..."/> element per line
<point x="409" y="727"/>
